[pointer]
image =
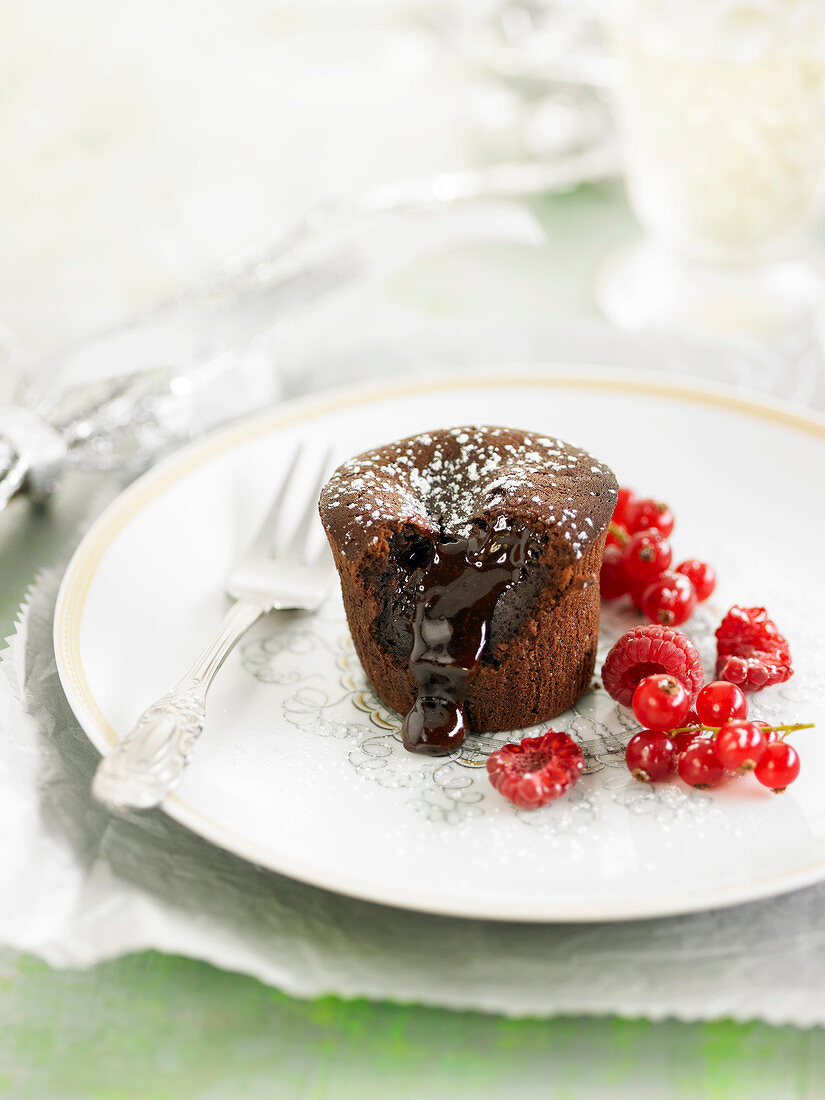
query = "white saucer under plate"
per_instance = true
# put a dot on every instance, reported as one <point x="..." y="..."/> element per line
<point x="300" y="768"/>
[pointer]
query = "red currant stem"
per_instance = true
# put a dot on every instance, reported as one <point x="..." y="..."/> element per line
<point x="785" y="730"/>
<point x="618" y="534"/>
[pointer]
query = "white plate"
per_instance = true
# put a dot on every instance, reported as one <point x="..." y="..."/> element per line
<point x="300" y="768"/>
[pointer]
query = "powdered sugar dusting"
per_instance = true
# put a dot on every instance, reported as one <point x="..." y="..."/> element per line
<point x="443" y="481"/>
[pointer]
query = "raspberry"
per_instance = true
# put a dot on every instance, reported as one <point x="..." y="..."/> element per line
<point x="646" y="650"/>
<point x="751" y="652"/>
<point x="536" y="770"/>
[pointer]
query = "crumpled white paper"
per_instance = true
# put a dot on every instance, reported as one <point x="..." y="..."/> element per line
<point x="78" y="886"/>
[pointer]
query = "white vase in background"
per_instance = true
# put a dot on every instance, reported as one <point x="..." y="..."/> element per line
<point x="721" y="109"/>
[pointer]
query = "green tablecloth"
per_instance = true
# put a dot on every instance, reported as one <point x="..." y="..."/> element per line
<point x="170" y="1029"/>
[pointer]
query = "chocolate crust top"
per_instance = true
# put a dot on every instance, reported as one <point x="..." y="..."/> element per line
<point x="445" y="483"/>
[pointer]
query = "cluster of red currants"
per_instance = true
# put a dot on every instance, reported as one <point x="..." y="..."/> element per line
<point x="637" y="562"/>
<point x="704" y="745"/>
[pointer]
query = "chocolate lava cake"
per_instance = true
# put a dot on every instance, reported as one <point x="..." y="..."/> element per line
<point x="469" y="563"/>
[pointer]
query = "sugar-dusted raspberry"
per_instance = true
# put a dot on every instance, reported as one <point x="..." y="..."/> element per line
<point x="536" y="770"/>
<point x="645" y="651"/>
<point x="751" y="652"/>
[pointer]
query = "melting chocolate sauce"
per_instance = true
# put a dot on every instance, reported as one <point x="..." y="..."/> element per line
<point x="456" y="593"/>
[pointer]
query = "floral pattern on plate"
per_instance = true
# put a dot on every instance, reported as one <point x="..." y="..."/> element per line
<point x="324" y="691"/>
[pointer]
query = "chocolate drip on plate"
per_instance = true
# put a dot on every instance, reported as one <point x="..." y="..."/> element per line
<point x="456" y="594"/>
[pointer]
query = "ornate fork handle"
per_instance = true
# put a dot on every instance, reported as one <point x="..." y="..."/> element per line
<point x="148" y="764"/>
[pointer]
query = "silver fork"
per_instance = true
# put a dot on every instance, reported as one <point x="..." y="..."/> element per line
<point x="278" y="571"/>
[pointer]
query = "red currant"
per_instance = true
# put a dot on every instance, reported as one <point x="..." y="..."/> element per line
<point x="651" y="756"/>
<point x="642" y="514"/>
<point x="771" y="735"/>
<point x="669" y="600"/>
<point x="683" y="741"/>
<point x="616" y="535"/>
<point x="613" y="578"/>
<point x="661" y="702"/>
<point x="625" y="499"/>
<point x="699" y="766"/>
<point x="701" y="575"/>
<point x="636" y="590"/>
<point x="721" y="702"/>
<point x="778" y="766"/>
<point x="646" y="556"/>
<point x="740" y="745"/>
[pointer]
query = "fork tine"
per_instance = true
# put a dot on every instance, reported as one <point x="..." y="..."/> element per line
<point x="263" y="538"/>
<point x="302" y="532"/>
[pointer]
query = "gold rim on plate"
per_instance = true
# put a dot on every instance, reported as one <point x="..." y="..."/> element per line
<point x="81" y="571"/>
